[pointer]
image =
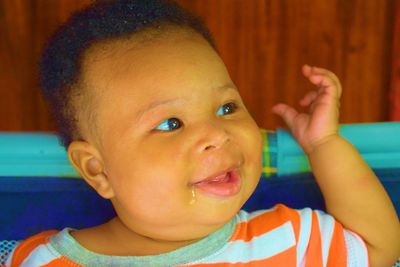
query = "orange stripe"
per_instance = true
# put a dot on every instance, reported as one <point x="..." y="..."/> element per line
<point x="337" y="251"/>
<point x="285" y="258"/>
<point x="266" y="222"/>
<point x="62" y="262"/>
<point x="23" y="250"/>
<point x="314" y="249"/>
<point x="55" y="263"/>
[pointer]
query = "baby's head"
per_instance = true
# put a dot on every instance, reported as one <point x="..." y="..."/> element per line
<point x="151" y="118"/>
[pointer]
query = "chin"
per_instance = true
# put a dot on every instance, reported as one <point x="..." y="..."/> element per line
<point x="218" y="216"/>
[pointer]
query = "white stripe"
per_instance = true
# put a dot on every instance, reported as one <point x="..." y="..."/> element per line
<point x="304" y="235"/>
<point x="262" y="247"/>
<point x="41" y="255"/>
<point x="244" y="216"/>
<point x="326" y="226"/>
<point x="357" y="254"/>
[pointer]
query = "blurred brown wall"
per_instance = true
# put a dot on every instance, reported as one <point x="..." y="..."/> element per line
<point x="395" y="71"/>
<point x="263" y="42"/>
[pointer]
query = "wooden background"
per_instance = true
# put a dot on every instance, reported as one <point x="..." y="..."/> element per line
<point x="395" y="71"/>
<point x="263" y="42"/>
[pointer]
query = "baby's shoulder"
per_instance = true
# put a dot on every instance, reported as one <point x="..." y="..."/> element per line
<point x="35" y="251"/>
<point x="303" y="232"/>
<point x="281" y="218"/>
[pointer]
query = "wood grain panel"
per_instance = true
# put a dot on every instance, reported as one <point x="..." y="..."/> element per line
<point x="24" y="27"/>
<point x="395" y="72"/>
<point x="16" y="64"/>
<point x="263" y="43"/>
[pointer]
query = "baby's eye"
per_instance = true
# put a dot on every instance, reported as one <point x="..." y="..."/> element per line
<point x="228" y="108"/>
<point x="169" y="125"/>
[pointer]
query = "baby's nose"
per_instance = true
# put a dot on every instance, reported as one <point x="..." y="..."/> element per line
<point x="212" y="136"/>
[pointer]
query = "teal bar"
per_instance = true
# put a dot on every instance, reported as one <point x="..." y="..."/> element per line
<point x="41" y="155"/>
<point x="33" y="154"/>
<point x="378" y="144"/>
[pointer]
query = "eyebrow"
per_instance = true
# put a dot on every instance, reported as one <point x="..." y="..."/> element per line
<point x="155" y="104"/>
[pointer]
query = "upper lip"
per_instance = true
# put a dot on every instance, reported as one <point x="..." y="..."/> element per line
<point x="216" y="174"/>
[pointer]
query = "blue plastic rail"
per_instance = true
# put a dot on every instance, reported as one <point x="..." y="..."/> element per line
<point x="41" y="155"/>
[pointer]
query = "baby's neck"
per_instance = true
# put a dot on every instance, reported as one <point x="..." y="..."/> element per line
<point x="114" y="239"/>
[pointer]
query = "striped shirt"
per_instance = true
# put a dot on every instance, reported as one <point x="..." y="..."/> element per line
<point x="276" y="237"/>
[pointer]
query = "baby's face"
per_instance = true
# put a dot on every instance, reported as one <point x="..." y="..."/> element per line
<point x="180" y="150"/>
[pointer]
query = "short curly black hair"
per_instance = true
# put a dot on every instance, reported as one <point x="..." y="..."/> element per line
<point x="60" y="64"/>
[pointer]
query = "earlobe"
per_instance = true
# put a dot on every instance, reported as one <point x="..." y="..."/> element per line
<point x="88" y="162"/>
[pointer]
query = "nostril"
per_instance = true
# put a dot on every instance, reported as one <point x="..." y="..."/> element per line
<point x="216" y="145"/>
<point x="209" y="147"/>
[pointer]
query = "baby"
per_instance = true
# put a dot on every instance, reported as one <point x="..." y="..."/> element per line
<point x="153" y="122"/>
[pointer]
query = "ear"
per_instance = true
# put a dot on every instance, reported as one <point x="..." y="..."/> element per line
<point x="88" y="162"/>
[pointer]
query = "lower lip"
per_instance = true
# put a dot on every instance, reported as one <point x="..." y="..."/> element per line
<point x="228" y="187"/>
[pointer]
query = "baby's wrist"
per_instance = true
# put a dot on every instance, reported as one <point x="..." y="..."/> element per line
<point x="314" y="146"/>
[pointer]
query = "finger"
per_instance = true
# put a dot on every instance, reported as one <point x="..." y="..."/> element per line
<point x="306" y="69"/>
<point x="321" y="71"/>
<point x="312" y="107"/>
<point x="308" y="98"/>
<point x="287" y="113"/>
<point x="312" y="70"/>
<point x="330" y="77"/>
<point x="326" y="84"/>
<point x="321" y="80"/>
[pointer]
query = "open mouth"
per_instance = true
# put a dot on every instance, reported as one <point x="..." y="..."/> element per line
<point x="222" y="185"/>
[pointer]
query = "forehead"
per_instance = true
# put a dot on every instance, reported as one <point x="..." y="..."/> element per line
<point x="111" y="61"/>
<point x="145" y="57"/>
<point x="125" y="75"/>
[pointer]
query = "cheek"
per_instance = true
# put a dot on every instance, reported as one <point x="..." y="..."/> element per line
<point x="250" y="138"/>
<point x="150" y="193"/>
<point x="149" y="178"/>
<point x="258" y="146"/>
<point x="165" y="152"/>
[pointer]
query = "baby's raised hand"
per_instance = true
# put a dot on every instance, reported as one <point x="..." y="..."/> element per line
<point x="321" y="122"/>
